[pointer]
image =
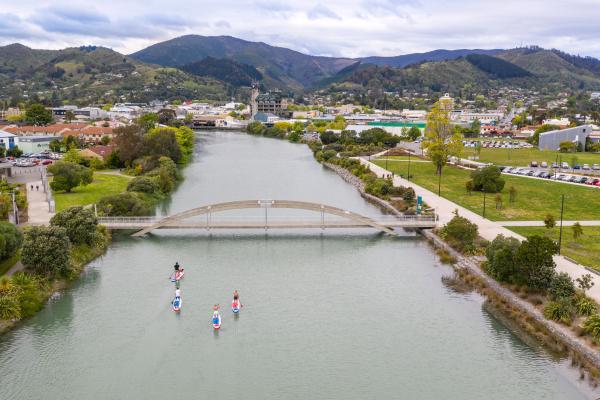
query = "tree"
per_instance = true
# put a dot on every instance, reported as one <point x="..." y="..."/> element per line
<point x="68" y="175"/>
<point x="460" y="233"/>
<point x="414" y="133"/>
<point x="2" y="152"/>
<point x="71" y="142"/>
<point x="129" y="141"/>
<point x="105" y="140"/>
<point x="69" y="116"/>
<point x="502" y="258"/>
<point x="147" y="121"/>
<point x="79" y="224"/>
<point x="162" y="142"/>
<point x="488" y="179"/>
<point x="113" y="160"/>
<point x="185" y="139"/>
<point x="536" y="263"/>
<point x="255" y="128"/>
<point x="441" y="139"/>
<point x="498" y="201"/>
<point x="585" y="282"/>
<point x="128" y="204"/>
<point x="512" y="194"/>
<point x="577" y="230"/>
<point x="72" y="156"/>
<point x="469" y="186"/>
<point x="475" y="127"/>
<point x="549" y="221"/>
<point x="143" y="184"/>
<point x="535" y="138"/>
<point x="328" y="137"/>
<point x="567" y="147"/>
<point x="11" y="239"/>
<point x="46" y="249"/>
<point x="55" y="146"/>
<point x="166" y="116"/>
<point x="15" y="152"/>
<point x="37" y="114"/>
<point x="562" y="286"/>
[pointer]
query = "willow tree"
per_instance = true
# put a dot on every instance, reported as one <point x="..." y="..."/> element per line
<point x="442" y="141"/>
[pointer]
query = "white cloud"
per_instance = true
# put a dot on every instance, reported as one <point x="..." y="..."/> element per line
<point x="349" y="28"/>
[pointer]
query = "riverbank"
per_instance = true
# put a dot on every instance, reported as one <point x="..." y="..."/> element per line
<point x="529" y="318"/>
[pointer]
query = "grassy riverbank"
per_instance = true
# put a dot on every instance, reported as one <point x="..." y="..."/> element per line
<point x="585" y="250"/>
<point x="104" y="184"/>
<point x="535" y="197"/>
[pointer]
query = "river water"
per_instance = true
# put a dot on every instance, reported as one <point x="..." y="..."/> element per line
<point x="334" y="315"/>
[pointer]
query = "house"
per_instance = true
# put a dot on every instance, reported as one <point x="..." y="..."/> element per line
<point x="98" y="152"/>
<point x="8" y="140"/>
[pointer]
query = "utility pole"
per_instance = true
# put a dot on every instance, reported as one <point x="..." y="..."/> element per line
<point x="562" y="208"/>
<point x="440" y="184"/>
<point x="484" y="202"/>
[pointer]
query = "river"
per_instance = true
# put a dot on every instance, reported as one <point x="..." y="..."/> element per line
<point x="333" y="315"/>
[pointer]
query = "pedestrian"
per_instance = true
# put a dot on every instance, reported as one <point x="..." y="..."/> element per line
<point x="32" y="188"/>
<point x="37" y="188"/>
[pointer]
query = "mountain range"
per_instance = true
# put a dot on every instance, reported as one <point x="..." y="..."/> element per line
<point x="219" y="67"/>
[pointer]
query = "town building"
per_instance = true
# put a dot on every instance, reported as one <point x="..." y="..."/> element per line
<point x="470" y="116"/>
<point x="99" y="152"/>
<point x="271" y="103"/>
<point x="446" y="102"/>
<point x="551" y="140"/>
<point x="35" y="144"/>
<point x="8" y="140"/>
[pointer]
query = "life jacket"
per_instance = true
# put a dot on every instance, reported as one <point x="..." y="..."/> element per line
<point x="235" y="303"/>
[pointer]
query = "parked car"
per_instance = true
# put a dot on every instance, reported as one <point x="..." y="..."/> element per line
<point x="554" y="165"/>
<point x="576" y="166"/>
<point x="595" y="167"/>
<point x="544" y="164"/>
<point x="545" y="175"/>
<point x="46" y="162"/>
<point x="564" y="165"/>
<point x="593" y="181"/>
<point x="586" y="166"/>
<point x="533" y="164"/>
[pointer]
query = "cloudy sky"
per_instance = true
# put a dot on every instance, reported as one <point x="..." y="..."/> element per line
<point x="349" y="28"/>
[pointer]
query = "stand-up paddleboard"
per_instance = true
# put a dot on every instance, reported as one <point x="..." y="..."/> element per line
<point x="216" y="320"/>
<point x="235" y="306"/>
<point x="177" y="275"/>
<point x="177" y="304"/>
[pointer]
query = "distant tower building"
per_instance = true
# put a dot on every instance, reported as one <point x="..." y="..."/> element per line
<point x="253" y="102"/>
<point x="446" y="102"/>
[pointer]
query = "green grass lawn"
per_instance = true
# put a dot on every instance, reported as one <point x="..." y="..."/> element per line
<point x="103" y="185"/>
<point x="535" y="197"/>
<point x="522" y="157"/>
<point x="585" y="250"/>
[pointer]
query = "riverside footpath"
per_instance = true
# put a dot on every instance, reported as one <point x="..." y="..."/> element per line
<point x="487" y="229"/>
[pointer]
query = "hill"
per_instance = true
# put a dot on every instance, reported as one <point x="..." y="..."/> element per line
<point x="281" y="68"/>
<point x="234" y="73"/>
<point x="497" y="67"/>
<point x="88" y="74"/>
<point x="415" y="58"/>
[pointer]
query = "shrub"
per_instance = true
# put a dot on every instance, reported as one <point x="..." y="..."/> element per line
<point x="535" y="260"/>
<point x="585" y="282"/>
<point x="585" y="306"/>
<point x="591" y="326"/>
<point x="502" y="258"/>
<point x="549" y="221"/>
<point x="409" y="194"/>
<point x="561" y="287"/>
<point x="10" y="240"/>
<point x="460" y="233"/>
<point x="46" y="249"/>
<point x="469" y="186"/>
<point x="128" y="204"/>
<point x="328" y="137"/>
<point x="68" y="175"/>
<point x="79" y="223"/>
<point x="142" y="184"/>
<point x="560" y="310"/>
<point x="328" y="154"/>
<point x="488" y="179"/>
<point x="30" y="295"/>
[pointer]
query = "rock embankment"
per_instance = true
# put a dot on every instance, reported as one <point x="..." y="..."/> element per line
<point x="360" y="186"/>
<point x="559" y="332"/>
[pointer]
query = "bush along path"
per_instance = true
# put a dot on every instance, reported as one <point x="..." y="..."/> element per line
<point x="520" y="279"/>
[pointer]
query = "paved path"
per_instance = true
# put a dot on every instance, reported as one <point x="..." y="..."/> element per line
<point x="541" y="223"/>
<point x="38" y="206"/>
<point x="487" y="229"/>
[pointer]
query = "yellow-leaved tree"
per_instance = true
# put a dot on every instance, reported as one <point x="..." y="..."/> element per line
<point x="442" y="140"/>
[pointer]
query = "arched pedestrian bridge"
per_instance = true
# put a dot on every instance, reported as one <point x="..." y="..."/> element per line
<point x="207" y="217"/>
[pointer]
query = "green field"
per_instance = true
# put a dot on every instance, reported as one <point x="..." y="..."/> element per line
<point x="522" y="157"/>
<point x="535" y="197"/>
<point x="585" y="250"/>
<point x="103" y="185"/>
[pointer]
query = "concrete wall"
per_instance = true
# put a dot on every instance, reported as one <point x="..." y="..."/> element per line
<point x="551" y="140"/>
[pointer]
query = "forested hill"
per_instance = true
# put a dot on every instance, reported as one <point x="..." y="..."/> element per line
<point x="229" y="71"/>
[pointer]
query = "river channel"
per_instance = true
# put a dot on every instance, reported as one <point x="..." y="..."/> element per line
<point x="327" y="315"/>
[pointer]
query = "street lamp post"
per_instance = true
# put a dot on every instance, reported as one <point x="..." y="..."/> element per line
<point x="562" y="208"/>
<point x="440" y="184"/>
<point x="484" y="202"/>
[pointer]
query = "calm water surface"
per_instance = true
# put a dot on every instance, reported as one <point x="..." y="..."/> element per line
<point x="352" y="315"/>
